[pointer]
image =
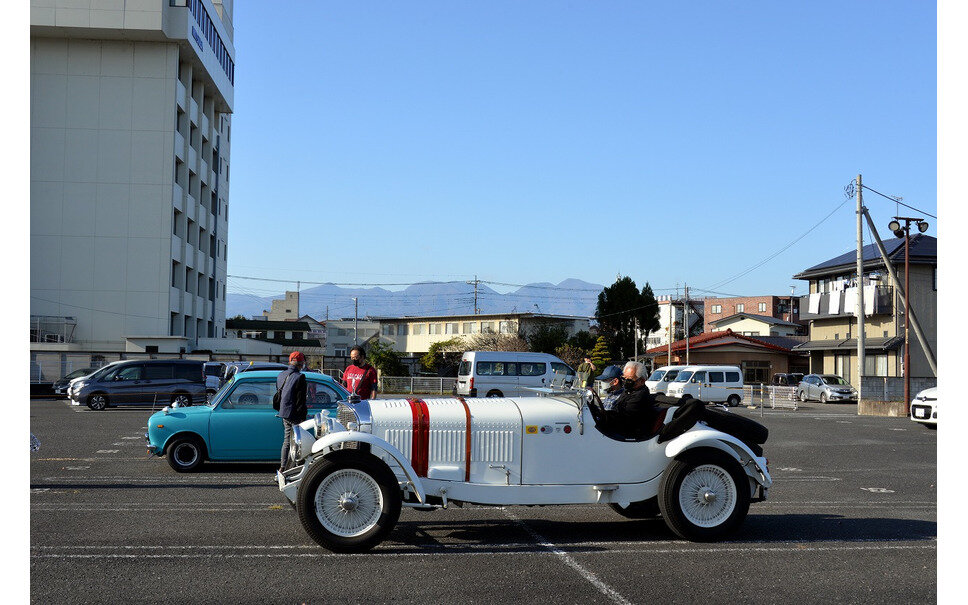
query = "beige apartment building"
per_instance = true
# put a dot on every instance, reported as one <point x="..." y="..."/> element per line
<point x="130" y="126"/>
<point x="830" y="309"/>
<point x="415" y="335"/>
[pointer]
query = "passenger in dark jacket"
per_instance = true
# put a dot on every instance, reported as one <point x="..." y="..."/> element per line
<point x="634" y="414"/>
<point x="291" y="385"/>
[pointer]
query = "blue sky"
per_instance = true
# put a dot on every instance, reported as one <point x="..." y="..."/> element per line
<point x="389" y="142"/>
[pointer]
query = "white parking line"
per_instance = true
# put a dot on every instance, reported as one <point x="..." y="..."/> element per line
<point x="602" y="587"/>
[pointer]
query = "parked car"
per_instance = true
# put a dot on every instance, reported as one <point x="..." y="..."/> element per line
<point x="354" y="472"/>
<point x="239" y="424"/>
<point x="786" y="380"/>
<point x="720" y="384"/>
<point x="509" y="373"/>
<point x="924" y="408"/>
<point x="234" y="367"/>
<point x="825" y="388"/>
<point x="659" y="380"/>
<point x="60" y="386"/>
<point x="214" y="370"/>
<point x="146" y="381"/>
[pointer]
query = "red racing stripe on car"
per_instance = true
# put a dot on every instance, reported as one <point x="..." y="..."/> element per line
<point x="467" y="441"/>
<point x="421" y="436"/>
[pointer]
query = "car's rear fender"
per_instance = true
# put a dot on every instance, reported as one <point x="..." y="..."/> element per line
<point x="700" y="436"/>
<point x="329" y="442"/>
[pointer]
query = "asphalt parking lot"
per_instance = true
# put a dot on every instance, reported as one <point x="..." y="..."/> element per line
<point x="851" y="518"/>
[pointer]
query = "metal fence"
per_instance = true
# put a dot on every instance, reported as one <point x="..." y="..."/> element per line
<point x="762" y="395"/>
<point x="416" y="384"/>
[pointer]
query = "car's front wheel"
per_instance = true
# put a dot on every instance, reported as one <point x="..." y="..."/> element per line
<point x="823" y="397"/>
<point x="349" y="501"/>
<point x="803" y="396"/>
<point x="97" y="401"/>
<point x="644" y="509"/>
<point x="704" y="495"/>
<point x="495" y="393"/>
<point x="185" y="454"/>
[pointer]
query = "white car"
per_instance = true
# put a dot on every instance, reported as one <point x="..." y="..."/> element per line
<point x="659" y="380"/>
<point x="924" y="408"/>
<point x="353" y="473"/>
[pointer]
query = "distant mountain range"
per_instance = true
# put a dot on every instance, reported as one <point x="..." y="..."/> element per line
<point x="569" y="297"/>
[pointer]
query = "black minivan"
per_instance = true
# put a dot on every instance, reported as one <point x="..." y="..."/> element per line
<point x="144" y="382"/>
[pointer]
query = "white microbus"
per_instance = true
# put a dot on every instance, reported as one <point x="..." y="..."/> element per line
<point x="709" y="383"/>
<point x="509" y="373"/>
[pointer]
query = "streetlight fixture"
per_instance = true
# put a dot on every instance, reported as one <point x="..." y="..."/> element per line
<point x="905" y="232"/>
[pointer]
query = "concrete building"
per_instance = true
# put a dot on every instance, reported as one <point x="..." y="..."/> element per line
<point x="672" y="321"/>
<point x="831" y="310"/>
<point x="285" y="309"/>
<point x="129" y="182"/>
<point x="414" y="335"/>
<point x="342" y="334"/>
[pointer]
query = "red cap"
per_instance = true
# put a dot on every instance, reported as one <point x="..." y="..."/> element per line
<point x="296" y="357"/>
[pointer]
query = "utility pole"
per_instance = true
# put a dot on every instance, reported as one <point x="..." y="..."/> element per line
<point x="356" y="317"/>
<point x="474" y="283"/>
<point x="685" y="321"/>
<point x="297" y="300"/>
<point x="861" y="336"/>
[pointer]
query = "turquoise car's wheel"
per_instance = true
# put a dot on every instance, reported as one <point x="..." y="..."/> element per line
<point x="349" y="502"/>
<point x="185" y="454"/>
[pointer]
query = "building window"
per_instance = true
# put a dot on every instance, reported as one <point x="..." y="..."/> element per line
<point x="339" y="352"/>
<point x="487" y="327"/>
<point x="418" y="329"/>
<point x="402" y="330"/>
<point x="762" y="307"/>
<point x="740" y="308"/>
<point x="875" y="365"/>
<point x="842" y="366"/>
<point x="755" y="372"/>
<point x="717" y="309"/>
<point x="388" y="330"/>
<point x="469" y="327"/>
<point x="450" y="328"/>
<point x="508" y="327"/>
<point x="436" y="328"/>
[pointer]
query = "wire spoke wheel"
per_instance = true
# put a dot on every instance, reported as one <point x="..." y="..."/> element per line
<point x="348" y="503"/>
<point x="707" y="496"/>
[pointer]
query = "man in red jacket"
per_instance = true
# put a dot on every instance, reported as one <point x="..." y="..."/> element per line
<point x="360" y="377"/>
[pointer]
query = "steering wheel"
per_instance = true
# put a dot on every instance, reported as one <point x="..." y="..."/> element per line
<point x="595" y="405"/>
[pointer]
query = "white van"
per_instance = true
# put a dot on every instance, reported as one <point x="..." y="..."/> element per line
<point x="709" y="383"/>
<point x="659" y="380"/>
<point x="508" y="373"/>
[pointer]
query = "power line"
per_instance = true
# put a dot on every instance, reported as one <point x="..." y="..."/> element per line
<point x="775" y="254"/>
<point x="897" y="200"/>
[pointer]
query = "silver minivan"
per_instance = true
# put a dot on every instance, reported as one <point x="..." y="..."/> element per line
<point x="658" y="381"/>
<point x="509" y="373"/>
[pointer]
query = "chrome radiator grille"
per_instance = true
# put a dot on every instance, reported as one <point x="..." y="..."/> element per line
<point x="345" y="414"/>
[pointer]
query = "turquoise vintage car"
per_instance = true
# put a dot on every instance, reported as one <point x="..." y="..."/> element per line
<point x="238" y="424"/>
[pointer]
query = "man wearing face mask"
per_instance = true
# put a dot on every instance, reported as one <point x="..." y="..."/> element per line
<point x="360" y="377"/>
<point x="633" y="415"/>
<point x="613" y="377"/>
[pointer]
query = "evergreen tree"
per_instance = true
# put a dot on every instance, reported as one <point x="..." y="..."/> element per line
<point x="620" y="308"/>
<point x="600" y="354"/>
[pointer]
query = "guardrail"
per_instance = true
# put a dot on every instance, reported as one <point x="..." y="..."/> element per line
<point x="416" y="384"/>
<point x="777" y="396"/>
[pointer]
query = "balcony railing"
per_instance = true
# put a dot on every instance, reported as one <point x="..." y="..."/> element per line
<point x="883" y="304"/>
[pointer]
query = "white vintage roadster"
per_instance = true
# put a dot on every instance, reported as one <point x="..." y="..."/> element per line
<point x="352" y="474"/>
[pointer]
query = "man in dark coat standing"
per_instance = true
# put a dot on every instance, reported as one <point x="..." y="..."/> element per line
<point x="291" y="385"/>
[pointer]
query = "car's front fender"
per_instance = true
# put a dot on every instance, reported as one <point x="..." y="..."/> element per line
<point x="331" y="440"/>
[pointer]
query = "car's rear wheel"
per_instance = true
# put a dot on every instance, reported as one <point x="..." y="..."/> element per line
<point x="495" y="393"/>
<point x="349" y="501"/>
<point x="185" y="454"/>
<point x="704" y="495"/>
<point x="182" y="399"/>
<point x="644" y="509"/>
<point x="733" y="400"/>
<point x="98" y="401"/>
